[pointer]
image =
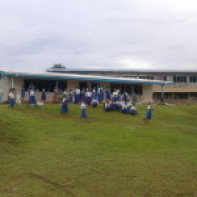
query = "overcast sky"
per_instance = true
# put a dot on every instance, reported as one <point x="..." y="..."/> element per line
<point x="113" y="34"/>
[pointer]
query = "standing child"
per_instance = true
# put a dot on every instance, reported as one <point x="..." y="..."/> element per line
<point x="148" y="115"/>
<point x="22" y="94"/>
<point x="64" y="107"/>
<point x="32" y="99"/>
<point x="11" y="98"/>
<point x="83" y="111"/>
<point x="43" y="95"/>
<point x="107" y="94"/>
<point x="77" y="95"/>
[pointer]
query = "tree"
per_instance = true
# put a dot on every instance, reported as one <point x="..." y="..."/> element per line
<point x="58" y="66"/>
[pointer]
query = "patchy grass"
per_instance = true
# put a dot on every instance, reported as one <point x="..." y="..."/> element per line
<point x="43" y="153"/>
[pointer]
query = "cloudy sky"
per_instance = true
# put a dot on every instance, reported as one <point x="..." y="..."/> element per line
<point x="113" y="34"/>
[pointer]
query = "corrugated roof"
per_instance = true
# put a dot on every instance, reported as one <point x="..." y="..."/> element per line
<point x="94" y="78"/>
<point x="123" y="70"/>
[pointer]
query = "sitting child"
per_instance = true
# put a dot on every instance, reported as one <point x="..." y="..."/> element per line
<point x="94" y="102"/>
<point x="133" y="110"/>
<point x="107" y="106"/>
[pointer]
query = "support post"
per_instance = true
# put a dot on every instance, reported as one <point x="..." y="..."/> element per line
<point x="162" y="94"/>
<point x="12" y="82"/>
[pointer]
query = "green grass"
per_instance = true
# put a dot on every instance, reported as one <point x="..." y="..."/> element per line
<point x="43" y="153"/>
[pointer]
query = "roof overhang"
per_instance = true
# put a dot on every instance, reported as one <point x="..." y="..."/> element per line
<point x="79" y="77"/>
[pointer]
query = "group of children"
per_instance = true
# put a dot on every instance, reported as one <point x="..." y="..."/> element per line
<point x="111" y="101"/>
<point x="114" y="101"/>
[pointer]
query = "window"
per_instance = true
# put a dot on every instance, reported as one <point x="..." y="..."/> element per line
<point x="180" y="79"/>
<point x="146" y="77"/>
<point x="193" y="79"/>
<point x="48" y="85"/>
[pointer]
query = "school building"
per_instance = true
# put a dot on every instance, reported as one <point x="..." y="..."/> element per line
<point x="143" y="88"/>
<point x="183" y="88"/>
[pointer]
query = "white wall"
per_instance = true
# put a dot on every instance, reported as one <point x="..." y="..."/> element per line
<point x="4" y="85"/>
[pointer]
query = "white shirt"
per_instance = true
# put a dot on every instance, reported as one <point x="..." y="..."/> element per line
<point x="107" y="105"/>
<point x="77" y="91"/>
<point x="31" y="93"/>
<point x="88" y="94"/>
<point x="149" y="107"/>
<point x="94" y="101"/>
<point x="83" y="106"/>
<point x="11" y="95"/>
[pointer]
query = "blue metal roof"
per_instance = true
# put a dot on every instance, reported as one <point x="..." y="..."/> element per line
<point x="81" y="77"/>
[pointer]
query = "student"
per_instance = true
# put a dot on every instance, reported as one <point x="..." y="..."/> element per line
<point x="83" y="95"/>
<point x="107" y="106"/>
<point x="100" y="94"/>
<point x="125" y="97"/>
<point x="115" y="101"/>
<point x="124" y="108"/>
<point x="32" y="99"/>
<point x="22" y="94"/>
<point x="107" y="94"/>
<point x="94" y="102"/>
<point x="149" y="112"/>
<point x="70" y="96"/>
<point x="11" y="98"/>
<point x="77" y="95"/>
<point x="133" y="110"/>
<point x="83" y="111"/>
<point x="64" y="106"/>
<point x="43" y="95"/>
<point x="148" y="115"/>
<point x="88" y="97"/>
<point x="94" y="95"/>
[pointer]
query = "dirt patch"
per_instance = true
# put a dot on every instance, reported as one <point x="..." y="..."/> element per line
<point x="54" y="183"/>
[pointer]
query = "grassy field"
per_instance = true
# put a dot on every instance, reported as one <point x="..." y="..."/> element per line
<point x="45" y="154"/>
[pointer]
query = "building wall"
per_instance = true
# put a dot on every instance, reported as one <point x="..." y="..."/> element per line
<point x="71" y="84"/>
<point x="178" y="87"/>
<point x="17" y="82"/>
<point x="4" y="84"/>
<point x="147" y="94"/>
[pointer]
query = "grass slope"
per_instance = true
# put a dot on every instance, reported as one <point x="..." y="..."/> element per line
<point x="43" y="153"/>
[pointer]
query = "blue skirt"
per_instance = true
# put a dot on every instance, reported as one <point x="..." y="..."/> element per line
<point x="100" y="97"/>
<point x="32" y="100"/>
<point x="133" y="111"/>
<point x="22" y="93"/>
<point x="64" y="108"/>
<point x="149" y="114"/>
<point x="107" y="95"/>
<point x="12" y="102"/>
<point x="77" y="98"/>
<point x="124" y="110"/>
<point x="43" y="97"/>
<point x="83" y="113"/>
<point x="88" y="100"/>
